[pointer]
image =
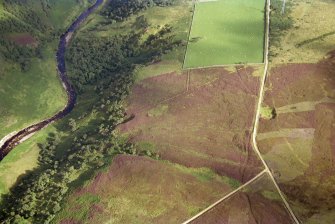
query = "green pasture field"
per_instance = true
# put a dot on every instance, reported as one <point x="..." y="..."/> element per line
<point x="226" y="32"/>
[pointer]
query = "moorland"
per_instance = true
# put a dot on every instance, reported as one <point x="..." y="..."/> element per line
<point x="176" y="120"/>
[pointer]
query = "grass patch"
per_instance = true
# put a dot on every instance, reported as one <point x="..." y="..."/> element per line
<point x="273" y="196"/>
<point x="205" y="175"/>
<point x="146" y="146"/>
<point x="83" y="205"/>
<point x="291" y="157"/>
<point x="226" y="32"/>
<point x="60" y="15"/>
<point x="158" y="111"/>
<point x="28" y="97"/>
<point x="268" y="112"/>
<point x="302" y="106"/>
<point x="157" y="68"/>
<point x="321" y="37"/>
<point x="21" y="159"/>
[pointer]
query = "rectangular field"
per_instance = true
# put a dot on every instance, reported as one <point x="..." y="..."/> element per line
<point x="226" y="32"/>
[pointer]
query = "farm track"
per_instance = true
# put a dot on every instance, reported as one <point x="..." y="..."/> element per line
<point x="254" y="135"/>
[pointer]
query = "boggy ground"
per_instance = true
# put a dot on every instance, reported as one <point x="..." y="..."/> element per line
<point x="258" y="203"/>
<point x="202" y="118"/>
<point x="298" y="143"/>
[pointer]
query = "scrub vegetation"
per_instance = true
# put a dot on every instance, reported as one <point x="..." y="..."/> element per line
<point x="268" y="112"/>
<point x="280" y="21"/>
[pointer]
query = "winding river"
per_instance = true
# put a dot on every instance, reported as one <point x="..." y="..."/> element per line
<point x="65" y="38"/>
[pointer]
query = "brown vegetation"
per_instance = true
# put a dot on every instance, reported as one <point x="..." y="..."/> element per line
<point x="23" y="39"/>
<point x="207" y="126"/>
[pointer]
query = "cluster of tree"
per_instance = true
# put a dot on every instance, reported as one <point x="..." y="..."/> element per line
<point x="20" y="54"/>
<point x="12" y="25"/>
<point x="96" y="58"/>
<point x="119" y="10"/>
<point x="28" y="15"/>
<point x="141" y="22"/>
<point x="279" y="21"/>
